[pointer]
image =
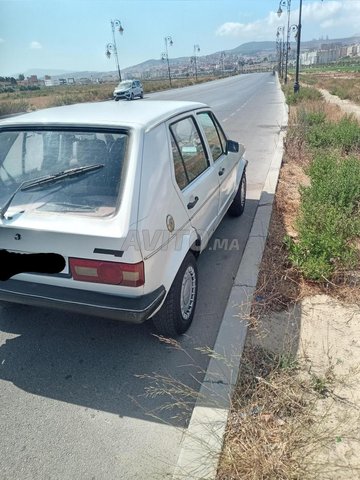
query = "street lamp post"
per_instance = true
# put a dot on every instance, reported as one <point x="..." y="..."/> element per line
<point x="278" y="53"/>
<point x="165" y="55"/>
<point x="222" y="58"/>
<point x="196" y="49"/>
<point x="281" y="30"/>
<point x="111" y="47"/>
<point x="287" y="4"/>
<point x="298" y="34"/>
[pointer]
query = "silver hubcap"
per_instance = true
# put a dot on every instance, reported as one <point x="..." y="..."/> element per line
<point x="187" y="295"/>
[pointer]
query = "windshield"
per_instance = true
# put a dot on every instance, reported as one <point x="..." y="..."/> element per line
<point x="29" y="155"/>
<point x="125" y="84"/>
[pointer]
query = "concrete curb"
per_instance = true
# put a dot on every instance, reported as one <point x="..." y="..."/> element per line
<point x="203" y="440"/>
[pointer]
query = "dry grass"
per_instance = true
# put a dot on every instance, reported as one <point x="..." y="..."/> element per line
<point x="22" y="101"/>
<point x="345" y="86"/>
<point x="282" y="421"/>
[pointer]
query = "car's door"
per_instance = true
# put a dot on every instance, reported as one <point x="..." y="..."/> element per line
<point x="135" y="89"/>
<point x="225" y="163"/>
<point x="195" y="176"/>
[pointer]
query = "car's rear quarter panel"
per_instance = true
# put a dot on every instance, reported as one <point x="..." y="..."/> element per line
<point x="163" y="251"/>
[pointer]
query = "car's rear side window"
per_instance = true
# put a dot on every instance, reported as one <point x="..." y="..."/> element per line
<point x="214" y="134"/>
<point x="30" y="154"/>
<point x="189" y="155"/>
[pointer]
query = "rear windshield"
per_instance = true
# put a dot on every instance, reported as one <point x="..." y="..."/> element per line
<point x="34" y="154"/>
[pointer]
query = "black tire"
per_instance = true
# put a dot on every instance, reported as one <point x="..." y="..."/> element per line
<point x="132" y="96"/>
<point x="173" y="320"/>
<point x="238" y="205"/>
<point x="142" y="95"/>
<point x="117" y="99"/>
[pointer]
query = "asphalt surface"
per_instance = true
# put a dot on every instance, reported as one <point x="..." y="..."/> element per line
<point x="84" y="398"/>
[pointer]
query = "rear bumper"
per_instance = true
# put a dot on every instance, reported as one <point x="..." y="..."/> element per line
<point x="127" y="309"/>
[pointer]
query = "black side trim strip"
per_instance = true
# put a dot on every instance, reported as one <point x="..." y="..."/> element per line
<point x="106" y="251"/>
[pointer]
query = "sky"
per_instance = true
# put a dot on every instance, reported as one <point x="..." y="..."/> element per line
<point x="71" y="35"/>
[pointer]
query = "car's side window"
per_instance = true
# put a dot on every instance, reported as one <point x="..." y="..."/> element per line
<point x="214" y="135"/>
<point x="179" y="167"/>
<point x="190" y="149"/>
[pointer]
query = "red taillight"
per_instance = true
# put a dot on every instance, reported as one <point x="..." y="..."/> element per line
<point x="127" y="274"/>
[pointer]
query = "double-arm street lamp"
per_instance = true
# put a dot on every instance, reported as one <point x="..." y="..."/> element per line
<point x="287" y="4"/>
<point x="196" y="50"/>
<point x="165" y="55"/>
<point x="297" y="29"/>
<point x="111" y="47"/>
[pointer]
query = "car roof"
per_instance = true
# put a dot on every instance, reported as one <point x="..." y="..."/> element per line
<point x="137" y="113"/>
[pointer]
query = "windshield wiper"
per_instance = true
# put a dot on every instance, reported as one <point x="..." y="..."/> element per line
<point x="48" y="179"/>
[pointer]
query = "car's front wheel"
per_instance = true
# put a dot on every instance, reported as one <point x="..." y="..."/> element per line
<point x="177" y="312"/>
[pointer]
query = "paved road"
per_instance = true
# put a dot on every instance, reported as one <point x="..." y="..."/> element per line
<point x="71" y="403"/>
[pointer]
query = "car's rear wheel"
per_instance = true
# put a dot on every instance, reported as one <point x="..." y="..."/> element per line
<point x="142" y="95"/>
<point x="178" y="310"/>
<point x="238" y="205"/>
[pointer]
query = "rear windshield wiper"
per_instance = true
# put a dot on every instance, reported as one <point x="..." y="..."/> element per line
<point x="48" y="179"/>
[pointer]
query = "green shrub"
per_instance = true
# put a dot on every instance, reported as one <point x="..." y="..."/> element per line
<point x="344" y="135"/>
<point x="334" y="181"/>
<point x="329" y="218"/>
<point x="305" y="93"/>
<point x="309" y="119"/>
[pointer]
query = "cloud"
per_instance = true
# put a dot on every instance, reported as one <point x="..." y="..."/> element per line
<point x="34" y="45"/>
<point x="327" y="23"/>
<point x="257" y="30"/>
<point x="321" y="10"/>
<point x="318" y="17"/>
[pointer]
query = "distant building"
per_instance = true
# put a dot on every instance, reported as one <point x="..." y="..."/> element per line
<point x="327" y="55"/>
<point x="50" y="82"/>
<point x="32" y="80"/>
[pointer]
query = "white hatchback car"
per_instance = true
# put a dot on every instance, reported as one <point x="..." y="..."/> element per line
<point x="128" y="194"/>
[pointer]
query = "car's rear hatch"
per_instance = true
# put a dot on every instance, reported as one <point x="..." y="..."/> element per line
<point x="78" y="240"/>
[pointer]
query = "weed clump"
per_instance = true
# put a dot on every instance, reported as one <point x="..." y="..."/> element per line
<point x="344" y="135"/>
<point x="8" y="108"/>
<point x="305" y="93"/>
<point x="329" y="221"/>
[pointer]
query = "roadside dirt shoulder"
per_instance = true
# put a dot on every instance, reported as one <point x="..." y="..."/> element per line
<point x="296" y="409"/>
<point x="323" y="334"/>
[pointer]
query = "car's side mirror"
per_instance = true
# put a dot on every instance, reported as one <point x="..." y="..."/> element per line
<point x="232" y="146"/>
